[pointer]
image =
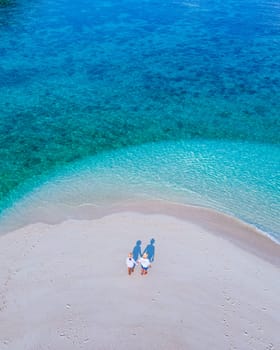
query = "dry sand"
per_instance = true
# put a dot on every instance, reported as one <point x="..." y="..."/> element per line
<point x="215" y="284"/>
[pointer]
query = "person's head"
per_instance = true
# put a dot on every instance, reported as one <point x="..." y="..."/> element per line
<point x="130" y="255"/>
<point x="152" y="241"/>
<point x="145" y="255"/>
<point x="138" y="242"/>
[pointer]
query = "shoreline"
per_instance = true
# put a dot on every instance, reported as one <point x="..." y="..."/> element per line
<point x="172" y="171"/>
<point x="238" y="232"/>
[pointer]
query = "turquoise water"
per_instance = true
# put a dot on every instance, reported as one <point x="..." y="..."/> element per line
<point x="226" y="176"/>
<point x="84" y="80"/>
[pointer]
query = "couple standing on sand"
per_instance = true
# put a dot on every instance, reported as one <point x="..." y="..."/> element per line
<point x="145" y="259"/>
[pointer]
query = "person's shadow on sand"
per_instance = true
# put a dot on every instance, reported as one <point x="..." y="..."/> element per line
<point x="150" y="250"/>
<point x="137" y="250"/>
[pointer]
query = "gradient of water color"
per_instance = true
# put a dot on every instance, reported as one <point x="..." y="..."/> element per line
<point x="226" y="176"/>
<point x="83" y="77"/>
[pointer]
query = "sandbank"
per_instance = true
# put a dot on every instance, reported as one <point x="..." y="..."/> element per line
<point x="214" y="284"/>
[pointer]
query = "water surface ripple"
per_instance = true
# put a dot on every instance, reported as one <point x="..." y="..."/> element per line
<point x="78" y="78"/>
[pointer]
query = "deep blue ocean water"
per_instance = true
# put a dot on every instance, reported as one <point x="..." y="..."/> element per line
<point x="185" y="88"/>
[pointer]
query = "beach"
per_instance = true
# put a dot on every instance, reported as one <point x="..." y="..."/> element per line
<point x="214" y="283"/>
<point x="126" y="121"/>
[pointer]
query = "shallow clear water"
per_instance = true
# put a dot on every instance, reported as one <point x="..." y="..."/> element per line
<point x="226" y="176"/>
<point x="83" y="77"/>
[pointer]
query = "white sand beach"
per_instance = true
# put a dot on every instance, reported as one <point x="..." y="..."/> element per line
<point x="214" y="284"/>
